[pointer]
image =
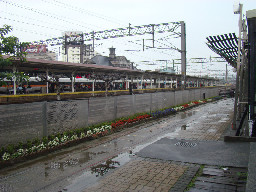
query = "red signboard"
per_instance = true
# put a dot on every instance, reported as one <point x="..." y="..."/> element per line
<point x="36" y="49"/>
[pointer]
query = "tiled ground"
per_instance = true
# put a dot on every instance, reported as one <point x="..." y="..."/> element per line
<point x="156" y="175"/>
<point x="142" y="175"/>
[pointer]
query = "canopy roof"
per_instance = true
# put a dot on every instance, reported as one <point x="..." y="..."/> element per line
<point x="225" y="46"/>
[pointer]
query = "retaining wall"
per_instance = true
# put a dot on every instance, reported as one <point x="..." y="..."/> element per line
<point x="20" y="122"/>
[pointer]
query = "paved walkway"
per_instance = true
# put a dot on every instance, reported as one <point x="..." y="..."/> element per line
<point x="144" y="174"/>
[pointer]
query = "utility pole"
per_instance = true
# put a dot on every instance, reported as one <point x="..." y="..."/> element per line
<point x="226" y="73"/>
<point x="183" y="52"/>
<point x="238" y="64"/>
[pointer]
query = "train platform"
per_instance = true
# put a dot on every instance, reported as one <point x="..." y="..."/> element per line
<point x="193" y="159"/>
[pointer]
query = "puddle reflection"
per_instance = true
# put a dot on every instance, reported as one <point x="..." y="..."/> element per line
<point x="103" y="168"/>
<point x="187" y="114"/>
<point x="183" y="127"/>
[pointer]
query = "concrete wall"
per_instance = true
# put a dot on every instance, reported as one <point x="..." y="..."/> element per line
<point x="20" y="122"/>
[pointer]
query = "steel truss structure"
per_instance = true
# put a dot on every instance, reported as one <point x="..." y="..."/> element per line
<point x="175" y="29"/>
<point x="132" y="31"/>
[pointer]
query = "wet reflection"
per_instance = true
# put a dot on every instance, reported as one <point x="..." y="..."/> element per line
<point x="102" y="169"/>
<point x="183" y="127"/>
<point x="183" y="115"/>
<point x="64" y="164"/>
<point x="187" y="114"/>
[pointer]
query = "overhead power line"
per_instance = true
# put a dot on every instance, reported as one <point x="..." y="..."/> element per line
<point x="81" y="10"/>
<point x="47" y="14"/>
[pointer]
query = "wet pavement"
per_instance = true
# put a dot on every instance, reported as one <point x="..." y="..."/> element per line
<point x="106" y="164"/>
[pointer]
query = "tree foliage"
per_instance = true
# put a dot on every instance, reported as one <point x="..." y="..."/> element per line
<point x="11" y="49"/>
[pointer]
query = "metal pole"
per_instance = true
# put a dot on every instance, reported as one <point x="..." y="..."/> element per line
<point x="47" y="84"/>
<point x="72" y="82"/>
<point x="138" y="83"/>
<point x="93" y="39"/>
<point x="127" y="82"/>
<point x="183" y="52"/>
<point x="14" y="80"/>
<point x="142" y="78"/>
<point x="226" y="73"/>
<point x="153" y="35"/>
<point x="151" y="82"/>
<point x="93" y="84"/>
<point x="238" y="66"/>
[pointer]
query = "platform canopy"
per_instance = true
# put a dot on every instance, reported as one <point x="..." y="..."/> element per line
<point x="225" y="46"/>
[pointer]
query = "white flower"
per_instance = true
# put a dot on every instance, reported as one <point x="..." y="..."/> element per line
<point x="54" y="142"/>
<point x="21" y="152"/>
<point x="34" y="148"/>
<point x="89" y="133"/>
<point x="41" y="146"/>
<point x="6" y="156"/>
<point x="64" y="139"/>
<point x="73" y="137"/>
<point x="82" y="135"/>
<point x="191" y="104"/>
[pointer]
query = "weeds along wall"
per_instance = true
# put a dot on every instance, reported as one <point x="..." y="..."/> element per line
<point x="20" y="122"/>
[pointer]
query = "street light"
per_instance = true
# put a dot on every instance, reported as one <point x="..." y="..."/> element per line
<point x="237" y="10"/>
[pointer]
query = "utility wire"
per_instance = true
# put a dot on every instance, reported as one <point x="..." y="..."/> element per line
<point x="47" y="14"/>
<point x="30" y="23"/>
<point x="81" y="10"/>
<point x="29" y="18"/>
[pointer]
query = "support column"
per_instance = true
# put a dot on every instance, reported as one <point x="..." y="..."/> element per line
<point x="238" y="66"/>
<point x="159" y="83"/>
<point x="142" y="79"/>
<point x="93" y="85"/>
<point x="138" y="85"/>
<point x="127" y="82"/>
<point x="151" y="82"/>
<point x="47" y="83"/>
<point x="171" y="82"/>
<point x="165" y="85"/>
<point x="72" y="82"/>
<point x="176" y="83"/>
<point x="183" y="52"/>
<point x="14" y="80"/>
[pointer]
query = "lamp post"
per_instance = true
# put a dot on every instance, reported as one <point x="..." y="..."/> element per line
<point x="237" y="10"/>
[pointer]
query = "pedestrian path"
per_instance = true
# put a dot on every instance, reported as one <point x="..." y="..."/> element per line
<point x="154" y="174"/>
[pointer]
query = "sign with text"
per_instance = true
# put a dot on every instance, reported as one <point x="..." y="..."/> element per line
<point x="35" y="49"/>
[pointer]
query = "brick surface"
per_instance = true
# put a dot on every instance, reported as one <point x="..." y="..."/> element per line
<point x="156" y="175"/>
<point x="141" y="175"/>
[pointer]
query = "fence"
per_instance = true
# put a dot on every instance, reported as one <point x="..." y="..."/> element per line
<point x="20" y="122"/>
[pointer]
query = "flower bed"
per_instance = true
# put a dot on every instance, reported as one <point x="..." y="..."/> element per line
<point x="37" y="147"/>
<point x="122" y="122"/>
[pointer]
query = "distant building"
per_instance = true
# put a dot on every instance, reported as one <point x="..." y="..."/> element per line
<point x="168" y="70"/>
<point x="74" y="50"/>
<point x="112" y="60"/>
<point x="40" y="52"/>
<point x="78" y="53"/>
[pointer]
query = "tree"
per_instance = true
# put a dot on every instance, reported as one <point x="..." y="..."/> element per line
<point x="11" y="49"/>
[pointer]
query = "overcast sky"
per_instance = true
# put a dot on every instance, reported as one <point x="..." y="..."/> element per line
<point x="34" y="20"/>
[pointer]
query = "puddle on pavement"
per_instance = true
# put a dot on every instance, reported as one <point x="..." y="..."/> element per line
<point x="105" y="167"/>
<point x="89" y="177"/>
<point x="64" y="164"/>
<point x="187" y="114"/>
<point x="183" y="127"/>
